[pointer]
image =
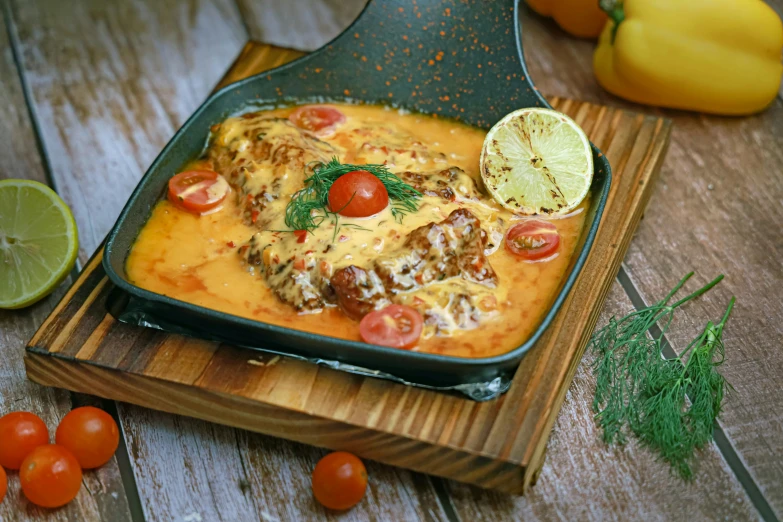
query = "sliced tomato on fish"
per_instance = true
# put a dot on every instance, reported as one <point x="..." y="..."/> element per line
<point x="197" y="191"/>
<point x="396" y="326"/>
<point x="533" y="239"/>
<point x="316" y="118"/>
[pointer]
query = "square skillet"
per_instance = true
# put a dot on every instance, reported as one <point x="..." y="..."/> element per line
<point x="451" y="58"/>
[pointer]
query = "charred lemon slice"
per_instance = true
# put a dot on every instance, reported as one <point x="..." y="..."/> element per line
<point x="537" y="161"/>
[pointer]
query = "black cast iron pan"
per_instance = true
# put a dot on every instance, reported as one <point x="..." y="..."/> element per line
<point x="457" y="59"/>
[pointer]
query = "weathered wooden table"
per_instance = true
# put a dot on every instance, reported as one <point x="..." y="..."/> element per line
<point x="90" y="91"/>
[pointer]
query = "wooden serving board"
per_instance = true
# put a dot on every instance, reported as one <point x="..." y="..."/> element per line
<point x="498" y="444"/>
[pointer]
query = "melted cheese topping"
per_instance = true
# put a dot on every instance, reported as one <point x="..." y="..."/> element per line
<point x="194" y="258"/>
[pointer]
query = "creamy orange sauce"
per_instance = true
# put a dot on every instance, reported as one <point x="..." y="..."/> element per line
<point x="194" y="258"/>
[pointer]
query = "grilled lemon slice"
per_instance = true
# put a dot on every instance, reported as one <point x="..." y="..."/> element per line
<point x="537" y="161"/>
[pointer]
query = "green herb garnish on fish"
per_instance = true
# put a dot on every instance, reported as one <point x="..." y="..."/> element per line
<point x="309" y="207"/>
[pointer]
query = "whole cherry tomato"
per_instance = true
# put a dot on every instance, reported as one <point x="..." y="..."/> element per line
<point x="20" y="433"/>
<point x="50" y="476"/>
<point x="3" y="484"/>
<point x="90" y="434"/>
<point x="339" y="480"/>
<point x="358" y="194"/>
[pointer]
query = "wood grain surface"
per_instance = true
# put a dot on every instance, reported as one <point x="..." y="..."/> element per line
<point x="254" y="58"/>
<point x="738" y="231"/>
<point x="102" y="496"/>
<point x="109" y="83"/>
<point x="298" y="24"/>
<point x="584" y="480"/>
<point x="717" y="209"/>
<point x="122" y="90"/>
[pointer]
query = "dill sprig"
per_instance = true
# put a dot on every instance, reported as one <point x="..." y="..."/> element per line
<point x="309" y="207"/>
<point x="638" y="389"/>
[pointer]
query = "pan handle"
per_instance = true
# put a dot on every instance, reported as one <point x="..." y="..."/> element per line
<point x="462" y="59"/>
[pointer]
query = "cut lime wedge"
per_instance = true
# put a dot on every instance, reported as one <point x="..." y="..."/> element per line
<point x="38" y="242"/>
<point x="537" y="161"/>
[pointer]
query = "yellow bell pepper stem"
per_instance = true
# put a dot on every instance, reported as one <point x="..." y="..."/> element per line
<point x="716" y="56"/>
<point x="614" y="9"/>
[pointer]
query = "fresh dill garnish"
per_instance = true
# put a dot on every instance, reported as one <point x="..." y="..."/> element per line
<point x="356" y="227"/>
<point x="670" y="405"/>
<point x="309" y="207"/>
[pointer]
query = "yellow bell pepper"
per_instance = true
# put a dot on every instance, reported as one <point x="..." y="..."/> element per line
<point x="716" y="56"/>
<point x="582" y="18"/>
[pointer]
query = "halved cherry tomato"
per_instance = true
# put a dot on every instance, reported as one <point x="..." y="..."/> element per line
<point x="50" y="476"/>
<point x="20" y="433"/>
<point x="90" y="434"/>
<point x="197" y="191"/>
<point x="533" y="239"/>
<point x="316" y="118"/>
<point x="339" y="480"/>
<point x="3" y="484"/>
<point x="358" y="194"/>
<point x="396" y="326"/>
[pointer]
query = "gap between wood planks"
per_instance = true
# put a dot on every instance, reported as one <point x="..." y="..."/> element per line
<point x="719" y="436"/>
<point x="122" y="455"/>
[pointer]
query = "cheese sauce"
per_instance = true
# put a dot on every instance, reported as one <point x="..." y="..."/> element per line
<point x="194" y="258"/>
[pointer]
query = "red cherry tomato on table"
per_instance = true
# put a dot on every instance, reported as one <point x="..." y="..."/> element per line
<point x="50" y="476"/>
<point x="20" y="433"/>
<point x="339" y="480"/>
<point x="533" y="239"/>
<point x="358" y="194"/>
<point x="316" y="118"/>
<point x="396" y="326"/>
<point x="3" y="484"/>
<point x="197" y="191"/>
<point x="90" y="434"/>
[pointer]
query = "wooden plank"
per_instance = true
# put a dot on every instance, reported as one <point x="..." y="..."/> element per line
<point x="716" y="210"/>
<point x="617" y="483"/>
<point x="732" y="224"/>
<point x="412" y="493"/>
<point x="103" y="497"/>
<point x="298" y="24"/>
<point x="297" y="462"/>
<point x="110" y="83"/>
<point x="583" y="479"/>
<point x="253" y="477"/>
<point x="254" y="58"/>
<point x="17" y="148"/>
<point x="392" y="423"/>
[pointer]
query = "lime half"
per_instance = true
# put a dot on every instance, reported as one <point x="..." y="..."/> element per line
<point x="537" y="161"/>
<point x="38" y="242"/>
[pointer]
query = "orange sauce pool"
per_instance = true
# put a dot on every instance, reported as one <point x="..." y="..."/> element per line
<point x="194" y="258"/>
